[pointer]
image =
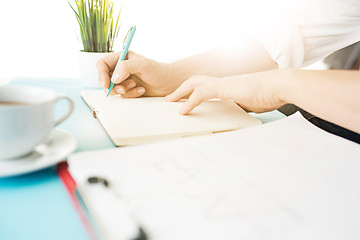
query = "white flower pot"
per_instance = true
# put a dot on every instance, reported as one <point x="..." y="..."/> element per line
<point x="88" y="71"/>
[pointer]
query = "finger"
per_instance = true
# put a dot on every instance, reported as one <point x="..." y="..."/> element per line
<point x="135" y="92"/>
<point x="125" y="86"/>
<point x="113" y="91"/>
<point x="194" y="100"/>
<point x="104" y="78"/>
<point x="126" y="68"/>
<point x="132" y="55"/>
<point x="105" y="66"/>
<point x="181" y="92"/>
<point x="111" y="60"/>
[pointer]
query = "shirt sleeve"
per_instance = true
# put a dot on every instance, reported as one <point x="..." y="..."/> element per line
<point x="301" y="32"/>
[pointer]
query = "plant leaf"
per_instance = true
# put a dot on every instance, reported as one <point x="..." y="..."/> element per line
<point x="96" y="23"/>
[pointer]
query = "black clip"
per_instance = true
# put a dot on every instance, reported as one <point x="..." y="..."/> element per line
<point x="103" y="181"/>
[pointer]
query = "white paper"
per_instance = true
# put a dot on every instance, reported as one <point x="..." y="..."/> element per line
<point x="281" y="180"/>
<point x="130" y="121"/>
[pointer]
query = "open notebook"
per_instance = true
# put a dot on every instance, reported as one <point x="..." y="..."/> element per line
<point x="282" y="180"/>
<point x="143" y="120"/>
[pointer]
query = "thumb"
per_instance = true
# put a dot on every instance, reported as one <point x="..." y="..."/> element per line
<point x="125" y="68"/>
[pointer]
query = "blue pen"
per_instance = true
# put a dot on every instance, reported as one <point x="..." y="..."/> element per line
<point x="127" y="41"/>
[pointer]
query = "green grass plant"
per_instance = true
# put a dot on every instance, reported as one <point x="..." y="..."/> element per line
<point x="96" y="21"/>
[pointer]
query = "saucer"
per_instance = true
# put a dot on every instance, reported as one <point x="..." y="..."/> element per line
<point x="55" y="149"/>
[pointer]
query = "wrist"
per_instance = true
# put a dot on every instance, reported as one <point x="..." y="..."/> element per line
<point x="285" y="85"/>
<point x="178" y="73"/>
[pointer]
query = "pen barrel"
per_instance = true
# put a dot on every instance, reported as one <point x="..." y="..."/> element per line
<point x="123" y="54"/>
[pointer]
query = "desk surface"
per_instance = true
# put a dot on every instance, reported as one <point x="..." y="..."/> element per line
<point x="36" y="206"/>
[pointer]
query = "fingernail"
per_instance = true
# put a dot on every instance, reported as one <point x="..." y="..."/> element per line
<point x="182" y="111"/>
<point x="115" y="77"/>
<point x="120" y="91"/>
<point x="141" y="91"/>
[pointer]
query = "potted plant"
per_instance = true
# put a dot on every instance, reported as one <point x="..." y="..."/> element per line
<point x="99" y="28"/>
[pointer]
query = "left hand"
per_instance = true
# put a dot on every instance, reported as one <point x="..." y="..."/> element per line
<point x="255" y="92"/>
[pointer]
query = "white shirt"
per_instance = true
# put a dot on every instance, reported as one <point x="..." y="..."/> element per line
<point x="301" y="32"/>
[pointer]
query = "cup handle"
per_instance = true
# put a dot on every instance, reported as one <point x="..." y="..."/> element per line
<point x="69" y="111"/>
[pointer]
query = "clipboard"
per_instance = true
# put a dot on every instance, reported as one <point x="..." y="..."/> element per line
<point x="70" y="185"/>
<point x="90" y="225"/>
<point x="273" y="180"/>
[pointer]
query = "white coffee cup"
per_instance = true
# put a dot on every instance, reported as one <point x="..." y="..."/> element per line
<point x="27" y="117"/>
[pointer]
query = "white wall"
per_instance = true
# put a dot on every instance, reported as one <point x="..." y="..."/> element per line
<point x="38" y="37"/>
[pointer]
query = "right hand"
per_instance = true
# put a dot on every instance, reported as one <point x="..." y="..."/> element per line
<point x="136" y="76"/>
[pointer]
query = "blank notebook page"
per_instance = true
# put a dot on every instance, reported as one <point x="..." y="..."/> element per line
<point x="140" y="120"/>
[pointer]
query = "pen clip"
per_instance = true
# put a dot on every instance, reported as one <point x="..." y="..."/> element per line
<point x="127" y="34"/>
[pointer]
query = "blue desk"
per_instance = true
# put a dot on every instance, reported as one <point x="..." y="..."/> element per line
<point x="37" y="206"/>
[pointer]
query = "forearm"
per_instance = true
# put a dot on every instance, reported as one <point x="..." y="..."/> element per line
<point x="249" y="56"/>
<point x="333" y="95"/>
